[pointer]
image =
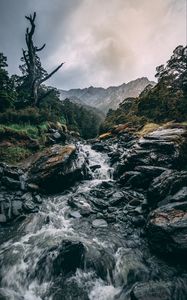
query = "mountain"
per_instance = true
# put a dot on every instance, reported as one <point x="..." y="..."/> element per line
<point x="165" y="102"/>
<point x="104" y="99"/>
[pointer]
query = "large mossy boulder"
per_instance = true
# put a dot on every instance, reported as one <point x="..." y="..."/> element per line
<point x="58" y="168"/>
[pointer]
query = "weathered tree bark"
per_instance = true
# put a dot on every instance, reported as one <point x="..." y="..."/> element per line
<point x="36" y="75"/>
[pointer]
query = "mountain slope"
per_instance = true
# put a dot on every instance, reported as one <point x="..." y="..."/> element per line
<point x="110" y="97"/>
<point x="166" y="101"/>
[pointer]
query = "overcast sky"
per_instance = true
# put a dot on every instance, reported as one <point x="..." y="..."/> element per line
<point x="102" y="42"/>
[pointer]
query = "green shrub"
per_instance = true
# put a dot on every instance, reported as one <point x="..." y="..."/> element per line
<point x="13" y="154"/>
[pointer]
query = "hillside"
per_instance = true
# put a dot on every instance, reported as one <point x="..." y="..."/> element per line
<point x="111" y="97"/>
<point x="166" y="101"/>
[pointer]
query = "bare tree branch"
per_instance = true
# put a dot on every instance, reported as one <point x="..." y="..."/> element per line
<point x="41" y="48"/>
<point x="50" y="74"/>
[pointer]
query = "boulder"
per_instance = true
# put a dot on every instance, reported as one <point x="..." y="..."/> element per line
<point x="11" y="184"/>
<point x="163" y="148"/>
<point x="167" y="185"/>
<point x="167" y="230"/>
<point x="99" y="147"/>
<point x="57" y="168"/>
<point x="176" y="289"/>
<point x="152" y="291"/>
<point x="60" y="260"/>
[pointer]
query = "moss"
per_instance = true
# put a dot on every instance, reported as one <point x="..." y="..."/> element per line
<point x="14" y="154"/>
<point x="28" y="130"/>
<point x="148" y="128"/>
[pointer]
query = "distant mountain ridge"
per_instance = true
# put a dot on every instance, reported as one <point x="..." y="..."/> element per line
<point x="106" y="98"/>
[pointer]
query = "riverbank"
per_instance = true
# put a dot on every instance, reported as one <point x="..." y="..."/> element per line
<point x="116" y="231"/>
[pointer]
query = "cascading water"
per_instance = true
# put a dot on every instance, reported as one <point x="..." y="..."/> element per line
<point x="82" y="244"/>
<point x="20" y="255"/>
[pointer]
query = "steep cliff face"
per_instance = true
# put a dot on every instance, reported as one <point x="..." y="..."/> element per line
<point x="110" y="97"/>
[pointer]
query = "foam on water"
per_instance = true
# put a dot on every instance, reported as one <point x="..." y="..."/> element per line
<point x="46" y="229"/>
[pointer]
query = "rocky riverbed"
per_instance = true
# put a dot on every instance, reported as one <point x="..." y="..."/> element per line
<point x="105" y="221"/>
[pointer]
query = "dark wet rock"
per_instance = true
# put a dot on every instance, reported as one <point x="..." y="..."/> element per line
<point x="70" y="257"/>
<point x="99" y="203"/>
<point x="152" y="171"/>
<point x="95" y="167"/>
<point x="167" y="230"/>
<point x="100" y="260"/>
<point x="164" y="148"/>
<point x="99" y="147"/>
<point x="180" y="196"/>
<point x="30" y="207"/>
<point x="141" y="177"/>
<point x="116" y="199"/>
<point x="13" y="173"/>
<point x="27" y="197"/>
<point x="37" y="199"/>
<point x="85" y="211"/>
<point x="3" y="218"/>
<point x="11" y="183"/>
<point x="60" y="260"/>
<point x="58" y="168"/>
<point x="28" y="203"/>
<point x="176" y="289"/>
<point x="115" y="156"/>
<point x="138" y="221"/>
<point x="132" y="179"/>
<point x="17" y="207"/>
<point x="131" y="267"/>
<point x="130" y="196"/>
<point x="167" y="184"/>
<point x="135" y="202"/>
<point x="99" y="223"/>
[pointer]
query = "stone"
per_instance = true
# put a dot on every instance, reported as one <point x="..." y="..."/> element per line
<point x="95" y="167"/>
<point x="28" y="203"/>
<point x="58" y="168"/>
<point x="152" y="291"/>
<point x="116" y="199"/>
<point x="30" y="206"/>
<point x="167" y="184"/>
<point x="11" y="183"/>
<point x="99" y="223"/>
<point x="13" y="173"/>
<point x="27" y="197"/>
<point x="100" y="260"/>
<point x="99" y="147"/>
<point x="57" y="135"/>
<point x="62" y="260"/>
<point x="16" y="207"/>
<point x="167" y="230"/>
<point x="75" y="214"/>
<point x="3" y="218"/>
<point x="37" y="199"/>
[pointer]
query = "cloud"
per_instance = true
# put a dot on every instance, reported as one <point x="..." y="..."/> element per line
<point x="104" y="42"/>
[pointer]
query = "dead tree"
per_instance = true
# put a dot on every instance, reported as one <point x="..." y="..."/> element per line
<point x="34" y="74"/>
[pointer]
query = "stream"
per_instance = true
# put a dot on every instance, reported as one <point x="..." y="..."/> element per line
<point x="115" y="253"/>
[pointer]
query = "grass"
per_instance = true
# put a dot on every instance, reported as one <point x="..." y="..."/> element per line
<point x="14" y="154"/>
<point x="29" y="130"/>
<point x="148" y="128"/>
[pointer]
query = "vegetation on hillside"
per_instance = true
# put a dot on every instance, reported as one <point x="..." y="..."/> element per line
<point x="28" y="108"/>
<point x="167" y="101"/>
<point x="81" y="118"/>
